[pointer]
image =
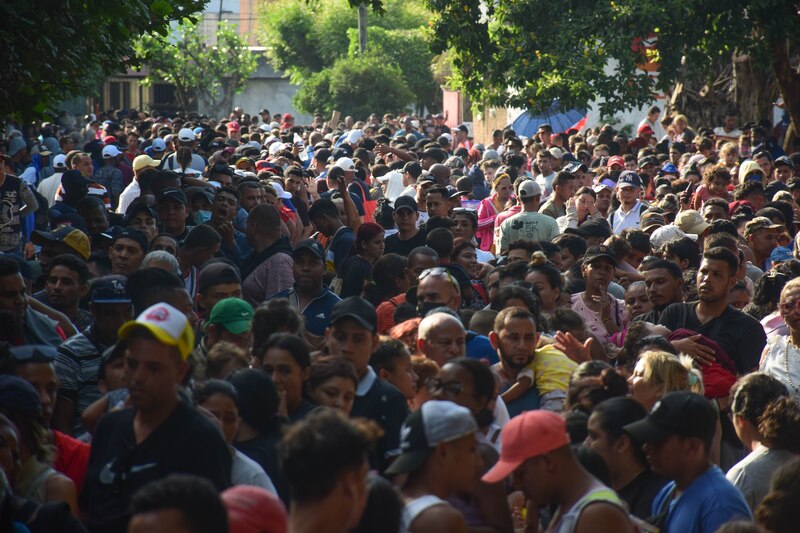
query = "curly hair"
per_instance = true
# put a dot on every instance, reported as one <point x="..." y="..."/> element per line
<point x="585" y="394"/>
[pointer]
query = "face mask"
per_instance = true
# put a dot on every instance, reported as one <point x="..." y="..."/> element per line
<point x="201" y="217"/>
<point x="423" y="308"/>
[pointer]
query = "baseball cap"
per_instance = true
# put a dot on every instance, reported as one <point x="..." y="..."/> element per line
<point x="158" y="145"/>
<point x="279" y="190"/>
<point x="679" y="413"/>
<point x="19" y="395"/>
<point x="598" y="251"/>
<point x="781" y="254"/>
<point x="413" y="168"/>
<point x="133" y="234"/>
<point x="434" y="423"/>
<point x="652" y="220"/>
<point x="556" y="152"/>
<point x="60" y="162"/>
<point x="234" y="314"/>
<point x="615" y="160"/>
<point x="426" y="178"/>
<point x="645" y="128"/>
<point x="528" y="435"/>
<point x="233" y="126"/>
<point x="216" y="274"/>
<point x="665" y="234"/>
<point x="353" y="136"/>
<point x="628" y="178"/>
<point x="310" y="244"/>
<point x="186" y="135"/>
<point x="646" y="160"/>
<point x="109" y="290"/>
<point x="406" y="202"/>
<point x="758" y="224"/>
<point x="605" y="184"/>
<point x="529" y="189"/>
<point x="346" y="164"/>
<point x="74" y="178"/>
<point x="669" y="168"/>
<point x="575" y="166"/>
<point x="173" y="194"/>
<point x="15" y="145"/>
<point x="784" y="160"/>
<point x="110" y="151"/>
<point x="144" y="161"/>
<point x="168" y="325"/>
<point x="692" y="222"/>
<point x="592" y="228"/>
<point x="323" y="154"/>
<point x="137" y="207"/>
<point x="491" y="155"/>
<point x="72" y="237"/>
<point x="254" y="509"/>
<point x="358" y="309"/>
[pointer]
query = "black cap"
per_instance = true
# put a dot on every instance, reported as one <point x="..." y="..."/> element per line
<point x="310" y="244"/>
<point x="629" y="177"/>
<point x="193" y="191"/>
<point x="323" y="154"/>
<point x="174" y="194"/>
<point x="575" y="166"/>
<point x="217" y="274"/>
<point x="592" y="228"/>
<point x="413" y="168"/>
<point x="680" y="413"/>
<point x="358" y="309"/>
<point x="109" y="290"/>
<point x="793" y="184"/>
<point x="784" y="160"/>
<point x="139" y="207"/>
<point x="426" y="177"/>
<point x="134" y="235"/>
<point x="596" y="252"/>
<point x="406" y="202"/>
<point x="19" y="395"/>
<point x="74" y="178"/>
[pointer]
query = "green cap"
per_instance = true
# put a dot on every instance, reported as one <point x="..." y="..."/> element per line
<point x="234" y="314"/>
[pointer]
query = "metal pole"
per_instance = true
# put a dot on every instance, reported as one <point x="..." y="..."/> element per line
<point x="362" y="28"/>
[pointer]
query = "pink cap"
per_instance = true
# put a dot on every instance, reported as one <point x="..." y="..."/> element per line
<point x="528" y="435"/>
<point x="233" y="126"/>
<point x="254" y="510"/>
<point x="615" y="160"/>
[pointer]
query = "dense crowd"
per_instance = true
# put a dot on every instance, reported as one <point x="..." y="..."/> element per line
<point x="252" y="325"/>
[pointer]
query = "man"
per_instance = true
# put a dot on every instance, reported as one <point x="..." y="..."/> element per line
<point x="29" y="326"/>
<point x="604" y="191"/>
<point x="141" y="165"/>
<point x="677" y="437"/>
<point x="179" y="503"/>
<point x="545" y="133"/>
<point x="563" y="189"/>
<point x="109" y="176"/>
<point x="628" y="214"/>
<point x="18" y="201"/>
<point x="652" y="121"/>
<point x="325" y="216"/>
<point x="353" y="334"/>
<point x="215" y="282"/>
<point x="535" y="449"/>
<point x="764" y="160"/>
<point x="784" y="169"/>
<point x="66" y="283"/>
<point x="461" y="137"/>
<point x="230" y="321"/>
<point x="408" y="236"/>
<point x="268" y="269"/>
<point x="80" y="357"/>
<point x="160" y="434"/>
<point x="437" y="202"/>
<point x="308" y="295"/>
<point x="441" y="337"/>
<point x="420" y="259"/>
<point x="425" y="181"/>
<point x="202" y="244"/>
<point x="740" y="335"/>
<point x="728" y="131"/>
<point x="127" y="250"/>
<point x="326" y="495"/>
<point x="440" y="460"/>
<point x="411" y="171"/>
<point x="465" y="224"/>
<point x="762" y="237"/>
<point x="715" y="209"/>
<point x="172" y="208"/>
<point x="234" y="243"/>
<point x="75" y="187"/>
<point x="529" y="224"/>
<point x="64" y="240"/>
<point x="663" y="281"/>
<point x="544" y="160"/>
<point x="594" y="232"/>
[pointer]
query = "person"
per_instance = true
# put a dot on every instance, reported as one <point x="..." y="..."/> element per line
<point x="67" y="282"/>
<point x="409" y="236"/>
<point x="652" y="122"/>
<point x="441" y="337"/>
<point x="563" y="189"/>
<point x="545" y="163"/>
<point x="677" y="436"/>
<point x="332" y="383"/>
<point x="778" y="511"/>
<point x="254" y="510"/>
<point x="419" y="260"/>
<point x="628" y="214"/>
<point x="761" y="236"/>
<point x="309" y="295"/>
<point x="142" y="165"/>
<point x="324" y="458"/>
<point x="356" y="272"/>
<point x="268" y="269"/>
<point x="740" y="335"/>
<point x="29" y="326"/>
<point x="234" y="244"/>
<point x="392" y="362"/>
<point x="230" y="321"/>
<point x="353" y="334"/>
<point x="765" y="418"/>
<point x="285" y="358"/>
<point x="80" y="357"/>
<point x="529" y="224"/>
<point x="75" y="187"/>
<point x="604" y="314"/>
<point x="535" y="449"/>
<point x="663" y="282"/>
<point x="127" y="250"/>
<point x="19" y="201"/>
<point x="172" y="208"/>
<point x="490" y="207"/>
<point x="439" y="460"/>
<point x="159" y="434"/>
<point x="657" y="372"/>
<point x="325" y="216"/>
<point x="201" y="245"/>
<point x="636" y="301"/>
<point x="780" y="357"/>
<point x="628" y="471"/>
<point x="189" y="504"/>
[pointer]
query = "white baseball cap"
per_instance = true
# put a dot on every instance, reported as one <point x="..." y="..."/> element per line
<point x="353" y="136"/>
<point x="168" y="325"/>
<point x="111" y="151"/>
<point x="60" y="162"/>
<point x="186" y="135"/>
<point x="159" y="144"/>
<point x="279" y="189"/>
<point x="346" y="164"/>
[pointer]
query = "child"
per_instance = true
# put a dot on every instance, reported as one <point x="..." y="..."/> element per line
<point x="392" y="362"/>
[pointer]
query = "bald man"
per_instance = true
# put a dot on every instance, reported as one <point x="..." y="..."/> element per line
<point x="441" y="337"/>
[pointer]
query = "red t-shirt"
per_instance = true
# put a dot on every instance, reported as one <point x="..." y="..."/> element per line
<point x="72" y="458"/>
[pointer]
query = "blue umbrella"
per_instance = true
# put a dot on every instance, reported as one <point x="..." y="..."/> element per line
<point x="559" y="119"/>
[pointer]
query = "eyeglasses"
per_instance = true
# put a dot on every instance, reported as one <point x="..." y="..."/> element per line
<point x="450" y="388"/>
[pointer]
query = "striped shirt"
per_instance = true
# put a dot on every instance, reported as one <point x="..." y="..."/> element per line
<point x="77" y="366"/>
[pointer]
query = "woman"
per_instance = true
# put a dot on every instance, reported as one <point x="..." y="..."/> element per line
<point x="547" y="280"/>
<point x="681" y="130"/>
<point x="586" y="393"/>
<point x="220" y="399"/>
<point x="276" y="316"/>
<point x="490" y="207"/>
<point x="464" y="255"/>
<point x="657" y="373"/>
<point x="627" y="465"/>
<point x="389" y="279"/>
<point x="580" y="208"/>
<point x="767" y="421"/>
<point x="332" y="383"/>
<point x="781" y="357"/>
<point x="716" y="180"/>
<point x="287" y="360"/>
<point x="356" y="271"/>
<point x="636" y="300"/>
<point x="604" y="315"/>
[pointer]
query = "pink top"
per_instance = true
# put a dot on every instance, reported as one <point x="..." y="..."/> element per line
<point x="487" y="212"/>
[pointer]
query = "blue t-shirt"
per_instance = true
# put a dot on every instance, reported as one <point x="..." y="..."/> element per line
<point x="317" y="313"/>
<point x="710" y="501"/>
<point x="480" y="347"/>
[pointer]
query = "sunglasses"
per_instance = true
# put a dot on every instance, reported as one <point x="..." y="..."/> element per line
<point x="451" y="388"/>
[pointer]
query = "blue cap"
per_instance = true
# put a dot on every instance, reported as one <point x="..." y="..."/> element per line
<point x="669" y="168"/>
<point x="781" y="254"/>
<point x="198" y="130"/>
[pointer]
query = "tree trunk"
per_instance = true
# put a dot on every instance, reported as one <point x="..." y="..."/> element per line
<point x="755" y="89"/>
<point x="789" y="84"/>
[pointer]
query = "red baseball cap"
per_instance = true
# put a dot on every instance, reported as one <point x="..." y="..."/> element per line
<point x="233" y="126"/>
<point x="615" y="160"/>
<point x="254" y="510"/>
<point x="644" y="128"/>
<point x="109" y="139"/>
<point x="528" y="435"/>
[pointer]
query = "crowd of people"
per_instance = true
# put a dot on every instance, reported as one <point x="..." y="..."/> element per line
<point x="384" y="325"/>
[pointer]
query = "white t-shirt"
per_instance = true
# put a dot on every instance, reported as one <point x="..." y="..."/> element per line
<point x="545" y="184"/>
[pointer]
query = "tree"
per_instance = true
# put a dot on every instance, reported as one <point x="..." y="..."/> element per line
<point x="198" y="70"/>
<point x="527" y="53"/>
<point x="355" y="86"/>
<point x="52" y="50"/>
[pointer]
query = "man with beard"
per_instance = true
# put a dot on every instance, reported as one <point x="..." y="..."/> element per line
<point x="740" y="335"/>
<point x="663" y="281"/>
<point x="515" y="337"/>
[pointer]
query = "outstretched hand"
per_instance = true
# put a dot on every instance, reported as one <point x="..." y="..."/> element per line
<point x="576" y="350"/>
